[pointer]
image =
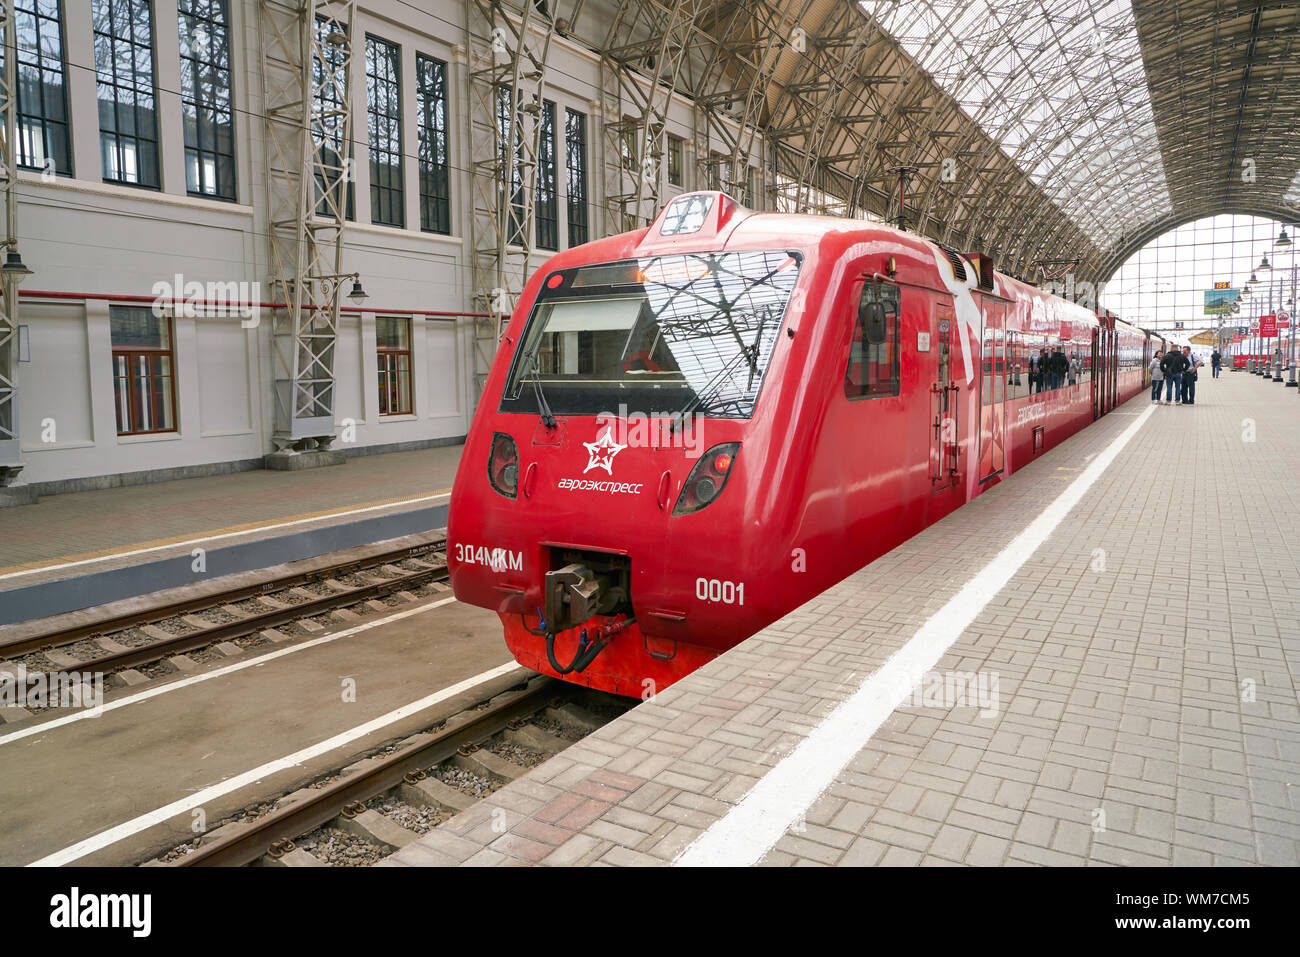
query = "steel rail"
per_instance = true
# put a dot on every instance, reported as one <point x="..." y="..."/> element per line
<point x="74" y="633"/>
<point x="257" y="838"/>
<point x="178" y="644"/>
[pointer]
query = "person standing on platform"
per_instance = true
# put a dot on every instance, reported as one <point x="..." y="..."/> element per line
<point x="1173" y="365"/>
<point x="1189" y="376"/>
<point x="1043" y="369"/>
<point x="1157" y="375"/>
<point x="1075" y="365"/>
<point x="1216" y="360"/>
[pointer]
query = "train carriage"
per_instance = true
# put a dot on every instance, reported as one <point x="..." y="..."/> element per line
<point x="691" y="429"/>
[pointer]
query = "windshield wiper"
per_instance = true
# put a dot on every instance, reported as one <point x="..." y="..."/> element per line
<point x="679" y="417"/>
<point x="543" y="407"/>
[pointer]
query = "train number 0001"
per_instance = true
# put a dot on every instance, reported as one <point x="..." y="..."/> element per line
<point x="711" y="589"/>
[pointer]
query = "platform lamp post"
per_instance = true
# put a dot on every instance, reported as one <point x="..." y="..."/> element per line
<point x="1283" y="244"/>
<point x="13" y="272"/>
<point x="1272" y="366"/>
<point x="1252" y="338"/>
<point x="1236" y="345"/>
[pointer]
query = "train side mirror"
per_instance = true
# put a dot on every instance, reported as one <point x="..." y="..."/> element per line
<point x="871" y="316"/>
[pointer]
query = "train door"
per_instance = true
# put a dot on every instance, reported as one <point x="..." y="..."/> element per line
<point x="1112" y="371"/>
<point x="943" y="400"/>
<point x="993" y="389"/>
<point x="1098" y="372"/>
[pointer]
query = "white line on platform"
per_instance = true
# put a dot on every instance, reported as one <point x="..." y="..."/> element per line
<point x="144" y="821"/>
<point x="750" y="829"/>
<point x="213" y="538"/>
<point x="208" y="675"/>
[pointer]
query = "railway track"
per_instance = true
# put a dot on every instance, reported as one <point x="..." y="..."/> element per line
<point x="425" y="563"/>
<point x="408" y="774"/>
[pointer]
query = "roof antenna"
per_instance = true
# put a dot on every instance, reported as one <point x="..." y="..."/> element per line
<point x="904" y="174"/>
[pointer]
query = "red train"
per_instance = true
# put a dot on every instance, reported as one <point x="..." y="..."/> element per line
<point x="691" y="429"/>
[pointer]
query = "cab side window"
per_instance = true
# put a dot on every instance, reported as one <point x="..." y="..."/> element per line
<point x="873" y="369"/>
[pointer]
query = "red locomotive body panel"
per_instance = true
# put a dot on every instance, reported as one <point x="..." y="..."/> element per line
<point x="862" y="431"/>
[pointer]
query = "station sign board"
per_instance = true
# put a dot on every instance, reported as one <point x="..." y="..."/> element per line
<point x="1267" y="326"/>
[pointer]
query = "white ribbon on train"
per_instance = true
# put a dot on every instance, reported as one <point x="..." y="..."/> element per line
<point x="970" y="320"/>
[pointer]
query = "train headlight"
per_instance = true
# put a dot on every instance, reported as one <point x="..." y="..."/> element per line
<point x="707" y="479"/>
<point x="503" y="465"/>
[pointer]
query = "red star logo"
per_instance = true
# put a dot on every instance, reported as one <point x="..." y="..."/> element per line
<point x="600" y="454"/>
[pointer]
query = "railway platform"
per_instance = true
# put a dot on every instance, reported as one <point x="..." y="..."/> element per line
<point x="1096" y="662"/>
<point x="79" y="549"/>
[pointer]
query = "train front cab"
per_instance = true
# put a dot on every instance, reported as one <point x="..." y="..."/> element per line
<point x="622" y="445"/>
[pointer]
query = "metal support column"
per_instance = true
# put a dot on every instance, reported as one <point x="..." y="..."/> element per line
<point x="640" y="69"/>
<point x="507" y="53"/>
<point x="307" y="50"/>
<point x="12" y="492"/>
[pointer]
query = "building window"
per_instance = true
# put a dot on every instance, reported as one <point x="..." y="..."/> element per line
<point x="206" y="98"/>
<point x="144" y="388"/>
<point x="431" y="104"/>
<point x="128" y="122"/>
<point x="873" y="349"/>
<point x="575" y="149"/>
<point x="42" y="90"/>
<point x="393" y="345"/>
<point x="330" y="81"/>
<point x="384" y="99"/>
<point x="548" y="226"/>
<point x="511" y="182"/>
<point x="674" y="161"/>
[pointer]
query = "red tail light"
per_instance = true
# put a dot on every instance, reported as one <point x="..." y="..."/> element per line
<point x="503" y="465"/>
<point x="707" y="479"/>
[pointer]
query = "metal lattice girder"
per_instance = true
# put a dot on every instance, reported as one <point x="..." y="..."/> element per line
<point x="643" y="59"/>
<point x="9" y="425"/>
<point x="1040" y="128"/>
<point x="508" y="48"/>
<point x="751" y="50"/>
<point x="307" y="50"/>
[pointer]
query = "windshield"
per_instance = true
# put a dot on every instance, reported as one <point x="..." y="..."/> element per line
<point x="664" y="334"/>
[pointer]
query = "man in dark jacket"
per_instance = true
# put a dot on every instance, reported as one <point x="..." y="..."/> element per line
<point x="1215" y="361"/>
<point x="1173" y="365"/>
<point x="1189" y="376"/>
<point x="1062" y="364"/>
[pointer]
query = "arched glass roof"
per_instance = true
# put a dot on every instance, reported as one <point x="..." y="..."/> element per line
<point x="1059" y="86"/>
<point x="1038" y="129"/>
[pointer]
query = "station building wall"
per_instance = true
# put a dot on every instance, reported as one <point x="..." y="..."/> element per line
<point x="97" y="246"/>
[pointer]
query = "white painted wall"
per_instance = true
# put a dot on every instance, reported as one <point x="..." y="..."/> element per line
<point x="96" y="240"/>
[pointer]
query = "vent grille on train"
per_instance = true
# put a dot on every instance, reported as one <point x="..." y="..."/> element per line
<point x="958" y="264"/>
